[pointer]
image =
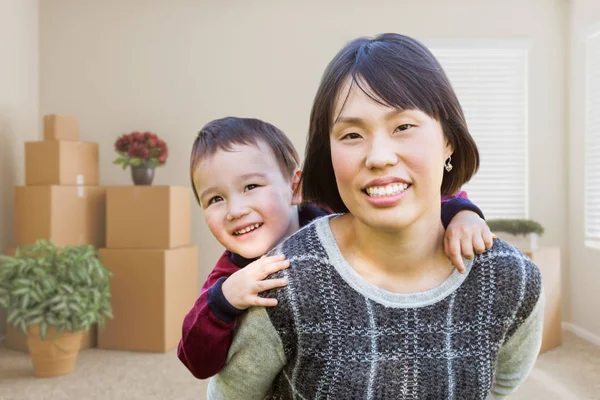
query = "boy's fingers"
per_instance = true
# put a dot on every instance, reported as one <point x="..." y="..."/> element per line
<point x="488" y="239"/>
<point x="478" y="244"/>
<point x="266" y="260"/>
<point x="259" y="264"/>
<point x="262" y="302"/>
<point x="453" y="253"/>
<point x="273" y="267"/>
<point x="458" y="263"/>
<point x="467" y="248"/>
<point x="268" y="284"/>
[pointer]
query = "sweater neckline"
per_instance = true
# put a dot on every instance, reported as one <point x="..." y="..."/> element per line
<point x="375" y="293"/>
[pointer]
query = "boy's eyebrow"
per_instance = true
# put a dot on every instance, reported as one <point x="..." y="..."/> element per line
<point x="203" y="193"/>
<point x="358" y="121"/>
<point x="241" y="178"/>
<point x="253" y="175"/>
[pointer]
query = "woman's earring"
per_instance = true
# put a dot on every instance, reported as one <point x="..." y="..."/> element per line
<point x="447" y="165"/>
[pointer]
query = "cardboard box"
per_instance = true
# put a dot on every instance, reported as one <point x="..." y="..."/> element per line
<point x="61" y="127"/>
<point x="67" y="215"/>
<point x="152" y="291"/>
<point x="61" y="163"/>
<point x="17" y="340"/>
<point x="148" y="217"/>
<point x="548" y="261"/>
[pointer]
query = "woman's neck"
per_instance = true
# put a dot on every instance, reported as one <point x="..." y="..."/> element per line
<point x="409" y="260"/>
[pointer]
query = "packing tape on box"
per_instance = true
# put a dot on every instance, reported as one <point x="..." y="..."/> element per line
<point x="80" y="179"/>
<point x="80" y="191"/>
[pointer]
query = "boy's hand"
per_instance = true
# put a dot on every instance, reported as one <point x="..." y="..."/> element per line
<point x="467" y="234"/>
<point x="241" y="289"/>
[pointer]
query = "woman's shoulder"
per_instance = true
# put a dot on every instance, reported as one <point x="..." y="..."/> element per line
<point x="510" y="262"/>
<point x="505" y="256"/>
<point x="303" y="241"/>
<point x="513" y="274"/>
<point x="307" y="256"/>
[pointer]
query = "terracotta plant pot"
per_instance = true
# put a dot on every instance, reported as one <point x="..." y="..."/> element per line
<point x="54" y="356"/>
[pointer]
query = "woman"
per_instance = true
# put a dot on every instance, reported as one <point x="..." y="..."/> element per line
<point x="363" y="317"/>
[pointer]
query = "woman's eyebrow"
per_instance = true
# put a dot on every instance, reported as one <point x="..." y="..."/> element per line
<point x="358" y="121"/>
<point x="349" y="121"/>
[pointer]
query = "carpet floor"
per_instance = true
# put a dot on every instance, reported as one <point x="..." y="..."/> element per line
<point x="571" y="371"/>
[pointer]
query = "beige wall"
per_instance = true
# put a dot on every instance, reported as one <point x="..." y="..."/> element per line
<point x="172" y="66"/>
<point x="19" y="103"/>
<point x="584" y="273"/>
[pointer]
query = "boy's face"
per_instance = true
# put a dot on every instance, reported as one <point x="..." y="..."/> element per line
<point x="248" y="203"/>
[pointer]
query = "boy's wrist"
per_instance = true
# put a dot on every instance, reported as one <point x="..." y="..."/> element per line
<point x="219" y="305"/>
<point x="456" y="205"/>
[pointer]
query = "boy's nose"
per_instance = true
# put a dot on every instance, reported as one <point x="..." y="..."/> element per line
<point x="237" y="211"/>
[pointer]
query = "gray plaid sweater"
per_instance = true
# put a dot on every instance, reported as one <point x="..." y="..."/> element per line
<point x="334" y="335"/>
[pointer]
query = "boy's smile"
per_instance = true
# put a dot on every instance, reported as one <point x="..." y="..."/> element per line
<point x="247" y="229"/>
<point x="248" y="203"/>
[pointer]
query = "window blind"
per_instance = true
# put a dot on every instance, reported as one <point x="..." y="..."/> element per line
<point x="491" y="85"/>
<point x="592" y="139"/>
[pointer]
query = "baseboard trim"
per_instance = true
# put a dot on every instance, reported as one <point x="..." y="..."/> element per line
<point x="582" y="333"/>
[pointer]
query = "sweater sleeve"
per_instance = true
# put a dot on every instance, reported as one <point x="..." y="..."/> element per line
<point x="519" y="353"/>
<point x="454" y="205"/>
<point x="206" y="332"/>
<point x="255" y="359"/>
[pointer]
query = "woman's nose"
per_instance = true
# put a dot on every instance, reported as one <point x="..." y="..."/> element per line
<point x="382" y="153"/>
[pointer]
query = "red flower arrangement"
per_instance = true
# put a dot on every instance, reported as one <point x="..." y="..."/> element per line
<point x="141" y="149"/>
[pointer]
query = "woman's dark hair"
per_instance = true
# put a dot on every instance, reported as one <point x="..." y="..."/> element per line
<point x="396" y="71"/>
<point x="222" y="134"/>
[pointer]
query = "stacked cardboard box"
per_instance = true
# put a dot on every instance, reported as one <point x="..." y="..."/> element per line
<point x="61" y="199"/>
<point x="154" y="265"/>
<point x="548" y="261"/>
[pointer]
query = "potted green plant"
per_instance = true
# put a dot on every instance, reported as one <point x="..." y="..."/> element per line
<point x="521" y="233"/>
<point x="53" y="294"/>
<point x="143" y="152"/>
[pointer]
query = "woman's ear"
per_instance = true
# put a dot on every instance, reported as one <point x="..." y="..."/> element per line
<point x="296" y="189"/>
<point x="449" y="148"/>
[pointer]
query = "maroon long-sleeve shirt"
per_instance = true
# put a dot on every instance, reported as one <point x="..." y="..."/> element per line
<point x="207" y="330"/>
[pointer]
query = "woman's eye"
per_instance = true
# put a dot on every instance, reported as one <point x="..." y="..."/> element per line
<point x="351" y="136"/>
<point x="404" y="127"/>
<point x="250" y="187"/>
<point x="215" y="199"/>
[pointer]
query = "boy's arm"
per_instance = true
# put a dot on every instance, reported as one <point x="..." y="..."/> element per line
<point x="255" y="359"/>
<point x="452" y="205"/>
<point x="208" y="328"/>
<point x="466" y="233"/>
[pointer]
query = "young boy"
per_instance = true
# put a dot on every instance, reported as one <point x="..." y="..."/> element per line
<point x="245" y="175"/>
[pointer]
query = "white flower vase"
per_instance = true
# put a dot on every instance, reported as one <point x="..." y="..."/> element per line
<point x="521" y="242"/>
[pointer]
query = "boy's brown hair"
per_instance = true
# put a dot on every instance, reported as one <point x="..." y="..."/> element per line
<point x="222" y="134"/>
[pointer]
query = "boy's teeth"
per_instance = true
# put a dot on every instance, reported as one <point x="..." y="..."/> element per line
<point x="247" y="229"/>
<point x="389" y="190"/>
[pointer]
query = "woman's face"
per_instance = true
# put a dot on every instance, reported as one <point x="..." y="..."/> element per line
<point x="388" y="163"/>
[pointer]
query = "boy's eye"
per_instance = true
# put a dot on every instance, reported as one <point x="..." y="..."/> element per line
<point x="352" y="135"/>
<point x="250" y="187"/>
<point x="404" y="127"/>
<point x="215" y="199"/>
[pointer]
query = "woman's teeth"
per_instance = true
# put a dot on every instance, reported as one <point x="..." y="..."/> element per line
<point x="389" y="190"/>
<point x="247" y="229"/>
